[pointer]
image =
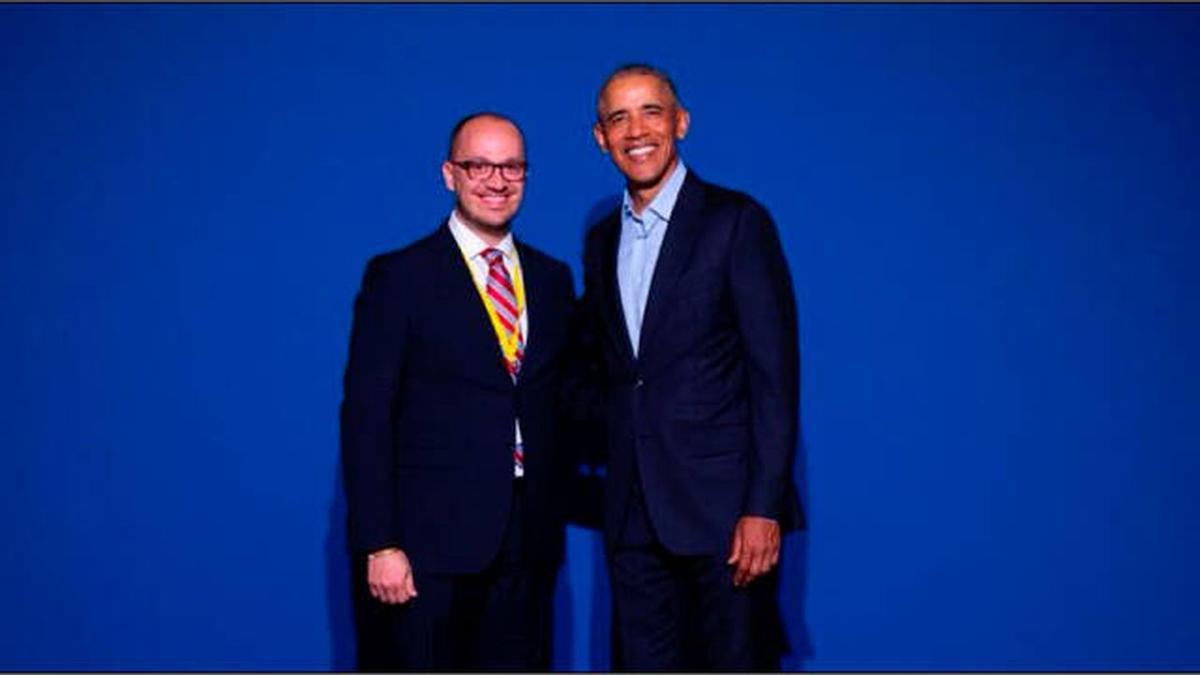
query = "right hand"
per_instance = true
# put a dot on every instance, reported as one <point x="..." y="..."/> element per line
<point x="389" y="575"/>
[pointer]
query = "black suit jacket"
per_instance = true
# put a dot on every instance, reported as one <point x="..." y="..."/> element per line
<point x="706" y="414"/>
<point x="428" y="409"/>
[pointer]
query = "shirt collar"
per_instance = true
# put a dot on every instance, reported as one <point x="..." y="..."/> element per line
<point x="470" y="243"/>
<point x="663" y="203"/>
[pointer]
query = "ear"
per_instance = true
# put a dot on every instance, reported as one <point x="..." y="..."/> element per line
<point x="448" y="175"/>
<point x="683" y="119"/>
<point x="598" y="132"/>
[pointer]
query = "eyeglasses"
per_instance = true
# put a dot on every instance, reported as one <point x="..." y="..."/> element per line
<point x="480" y="170"/>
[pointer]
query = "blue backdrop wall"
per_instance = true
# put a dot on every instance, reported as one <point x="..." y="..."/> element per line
<point x="990" y="213"/>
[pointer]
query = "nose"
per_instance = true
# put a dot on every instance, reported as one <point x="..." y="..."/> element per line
<point x="496" y="182"/>
<point x="636" y="128"/>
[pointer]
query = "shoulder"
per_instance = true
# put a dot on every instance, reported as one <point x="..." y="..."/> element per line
<point x="740" y="219"/>
<point x="608" y="224"/>
<point x="729" y="213"/>
<point x="723" y="200"/>
<point x="395" y="264"/>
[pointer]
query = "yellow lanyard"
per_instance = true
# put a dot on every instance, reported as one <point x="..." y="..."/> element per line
<point x="509" y="344"/>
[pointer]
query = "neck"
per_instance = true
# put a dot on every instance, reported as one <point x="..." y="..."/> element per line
<point x="640" y="198"/>
<point x="492" y="236"/>
<point x="641" y="195"/>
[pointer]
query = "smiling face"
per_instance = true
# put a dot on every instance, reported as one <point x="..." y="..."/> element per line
<point x="486" y="205"/>
<point x="639" y="122"/>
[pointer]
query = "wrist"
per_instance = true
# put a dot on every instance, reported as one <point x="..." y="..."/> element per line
<point x="382" y="552"/>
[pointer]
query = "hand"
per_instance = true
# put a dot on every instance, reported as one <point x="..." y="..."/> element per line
<point x="390" y="578"/>
<point x="755" y="549"/>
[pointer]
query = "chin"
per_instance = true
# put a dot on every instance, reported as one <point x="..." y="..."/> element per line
<point x="497" y="222"/>
<point x="643" y="179"/>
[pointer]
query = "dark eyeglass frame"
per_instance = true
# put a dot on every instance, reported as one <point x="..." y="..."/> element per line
<point x="480" y="170"/>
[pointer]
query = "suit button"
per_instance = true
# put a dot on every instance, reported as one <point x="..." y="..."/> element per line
<point x="639" y="383"/>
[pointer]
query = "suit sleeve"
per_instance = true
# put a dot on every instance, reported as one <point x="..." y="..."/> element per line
<point x="765" y="308"/>
<point x="371" y="382"/>
<point x="582" y="412"/>
<point x="587" y="367"/>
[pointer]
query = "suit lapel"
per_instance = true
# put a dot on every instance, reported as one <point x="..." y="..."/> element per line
<point x="534" y="276"/>
<point x="682" y="233"/>
<point x="460" y="291"/>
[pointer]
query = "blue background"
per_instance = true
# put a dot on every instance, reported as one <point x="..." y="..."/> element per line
<point x="990" y="213"/>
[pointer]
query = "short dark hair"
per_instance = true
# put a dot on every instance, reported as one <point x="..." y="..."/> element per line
<point x="474" y="116"/>
<point x="638" y="69"/>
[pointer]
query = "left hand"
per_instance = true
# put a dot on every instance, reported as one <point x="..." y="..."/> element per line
<point x="755" y="548"/>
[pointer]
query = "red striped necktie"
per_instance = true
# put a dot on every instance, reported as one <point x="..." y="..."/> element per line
<point x="504" y="300"/>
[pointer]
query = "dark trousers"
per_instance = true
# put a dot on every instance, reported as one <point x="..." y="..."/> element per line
<point x="497" y="620"/>
<point x="676" y="612"/>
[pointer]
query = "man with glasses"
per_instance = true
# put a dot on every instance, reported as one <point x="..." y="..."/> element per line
<point x="687" y="286"/>
<point x="449" y="436"/>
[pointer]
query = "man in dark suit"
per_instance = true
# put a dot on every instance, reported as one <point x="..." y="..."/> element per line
<point x="687" y="285"/>
<point x="449" y="436"/>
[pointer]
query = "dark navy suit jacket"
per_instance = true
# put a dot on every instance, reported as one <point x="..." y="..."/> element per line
<point x="707" y="413"/>
<point x="428" y="409"/>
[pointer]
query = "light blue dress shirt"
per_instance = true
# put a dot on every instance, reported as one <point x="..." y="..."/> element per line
<point x="637" y="253"/>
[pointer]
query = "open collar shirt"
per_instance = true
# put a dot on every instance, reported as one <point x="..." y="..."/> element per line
<point x="637" y="252"/>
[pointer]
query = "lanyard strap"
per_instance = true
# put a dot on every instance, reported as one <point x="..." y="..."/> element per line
<point x="512" y="345"/>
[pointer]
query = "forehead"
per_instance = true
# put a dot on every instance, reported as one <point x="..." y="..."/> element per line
<point x="489" y="138"/>
<point x="635" y="89"/>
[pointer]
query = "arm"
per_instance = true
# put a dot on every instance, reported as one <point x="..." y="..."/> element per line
<point x="371" y="381"/>
<point x="582" y="412"/>
<point x="765" y="309"/>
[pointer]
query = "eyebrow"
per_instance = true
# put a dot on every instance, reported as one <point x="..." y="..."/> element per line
<point x="644" y="106"/>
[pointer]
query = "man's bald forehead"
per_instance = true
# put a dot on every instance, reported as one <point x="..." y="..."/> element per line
<point x="464" y="122"/>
